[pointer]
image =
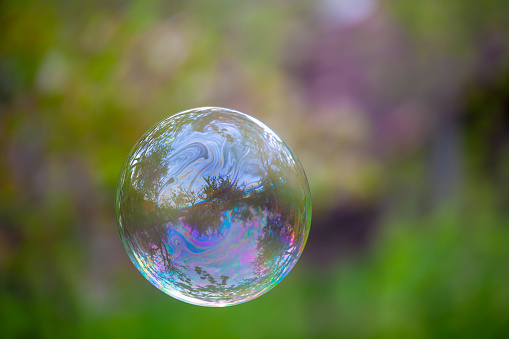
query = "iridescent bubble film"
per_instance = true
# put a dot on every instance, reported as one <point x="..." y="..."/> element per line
<point x="213" y="207"/>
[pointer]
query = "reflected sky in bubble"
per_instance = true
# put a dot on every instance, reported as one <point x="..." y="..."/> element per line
<point x="212" y="207"/>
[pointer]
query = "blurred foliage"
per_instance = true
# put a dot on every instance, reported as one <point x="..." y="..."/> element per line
<point x="81" y="80"/>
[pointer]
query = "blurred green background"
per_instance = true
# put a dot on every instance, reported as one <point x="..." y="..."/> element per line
<point x="398" y="111"/>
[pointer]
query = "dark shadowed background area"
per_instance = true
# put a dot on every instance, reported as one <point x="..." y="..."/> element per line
<point x="398" y="111"/>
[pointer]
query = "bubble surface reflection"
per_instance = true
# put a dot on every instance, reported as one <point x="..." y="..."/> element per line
<point x="213" y="207"/>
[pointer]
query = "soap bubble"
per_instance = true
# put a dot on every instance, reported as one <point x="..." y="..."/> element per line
<point x="213" y="207"/>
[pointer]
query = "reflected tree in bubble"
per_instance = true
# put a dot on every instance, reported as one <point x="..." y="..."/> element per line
<point x="213" y="208"/>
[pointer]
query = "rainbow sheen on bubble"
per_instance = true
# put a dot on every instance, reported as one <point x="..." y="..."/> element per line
<point x="213" y="207"/>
